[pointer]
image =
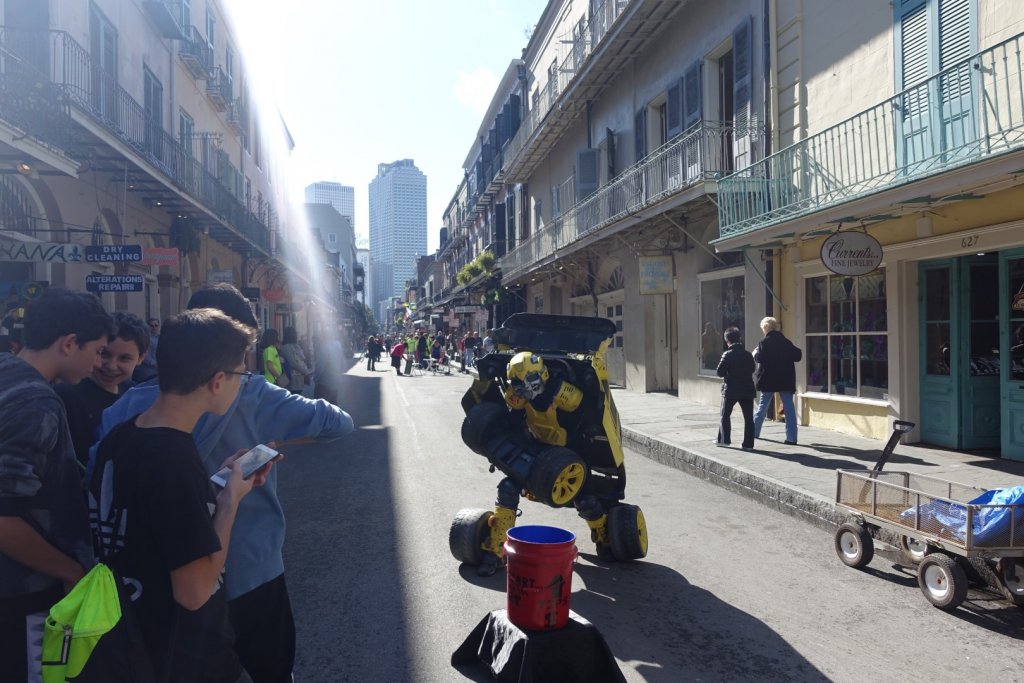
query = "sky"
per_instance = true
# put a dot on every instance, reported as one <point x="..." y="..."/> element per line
<point x="361" y="83"/>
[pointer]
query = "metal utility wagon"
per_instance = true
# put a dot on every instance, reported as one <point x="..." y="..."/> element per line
<point x="936" y="527"/>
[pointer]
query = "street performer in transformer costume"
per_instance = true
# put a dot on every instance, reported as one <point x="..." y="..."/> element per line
<point x="555" y="435"/>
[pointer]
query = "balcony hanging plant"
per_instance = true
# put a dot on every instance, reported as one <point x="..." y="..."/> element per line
<point x="463" y="277"/>
<point x="486" y="261"/>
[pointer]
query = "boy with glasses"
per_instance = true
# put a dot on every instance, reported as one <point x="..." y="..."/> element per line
<point x="156" y="518"/>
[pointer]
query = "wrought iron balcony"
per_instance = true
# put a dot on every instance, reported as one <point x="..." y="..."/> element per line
<point x="30" y="101"/>
<point x="166" y="14"/>
<point x="696" y="155"/>
<point x="237" y="116"/>
<point x="605" y="14"/>
<point x="85" y="87"/>
<point x="969" y="112"/>
<point x="195" y="54"/>
<point x="218" y="88"/>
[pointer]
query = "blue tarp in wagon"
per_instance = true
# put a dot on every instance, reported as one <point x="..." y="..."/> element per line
<point x="990" y="526"/>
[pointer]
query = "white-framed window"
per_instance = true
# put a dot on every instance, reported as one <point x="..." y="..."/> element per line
<point x="614" y="313"/>
<point x="211" y="27"/>
<point x="722" y="300"/>
<point x="186" y="131"/>
<point x="332" y="238"/>
<point x="846" y="328"/>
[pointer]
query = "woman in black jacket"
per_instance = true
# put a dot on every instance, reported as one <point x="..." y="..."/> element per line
<point x="776" y="357"/>
<point x="737" y="369"/>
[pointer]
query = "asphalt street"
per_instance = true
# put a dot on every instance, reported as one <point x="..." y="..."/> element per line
<point x="730" y="591"/>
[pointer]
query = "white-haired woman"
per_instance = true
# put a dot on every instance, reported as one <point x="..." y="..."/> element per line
<point x="776" y="359"/>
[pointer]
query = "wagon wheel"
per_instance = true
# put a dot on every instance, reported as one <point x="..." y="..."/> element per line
<point x="942" y="580"/>
<point x="854" y="545"/>
<point x="1011" y="573"/>
<point x="915" y="549"/>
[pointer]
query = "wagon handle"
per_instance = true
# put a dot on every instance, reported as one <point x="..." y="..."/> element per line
<point x="899" y="428"/>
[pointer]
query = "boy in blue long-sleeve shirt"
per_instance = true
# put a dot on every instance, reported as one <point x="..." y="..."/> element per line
<point x="254" y="573"/>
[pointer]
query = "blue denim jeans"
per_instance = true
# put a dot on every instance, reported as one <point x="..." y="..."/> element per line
<point x="787" y="406"/>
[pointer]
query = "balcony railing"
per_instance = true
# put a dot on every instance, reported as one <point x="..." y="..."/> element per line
<point x="573" y="54"/>
<point x="195" y="54"/>
<point x="218" y="88"/>
<point x="166" y="14"/>
<point x="31" y="102"/>
<point x="969" y="112"/>
<point x="91" y="90"/>
<point x="702" y="152"/>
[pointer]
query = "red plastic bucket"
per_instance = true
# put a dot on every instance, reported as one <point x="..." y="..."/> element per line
<point x="540" y="561"/>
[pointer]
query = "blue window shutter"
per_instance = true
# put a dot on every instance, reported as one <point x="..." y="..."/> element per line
<point x="640" y="134"/>
<point x="743" y="67"/>
<point x="674" y="109"/>
<point x="587" y="176"/>
<point x="692" y="108"/>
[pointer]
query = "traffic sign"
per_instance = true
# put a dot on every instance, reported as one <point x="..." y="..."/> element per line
<point x="114" y="253"/>
<point x="114" y="283"/>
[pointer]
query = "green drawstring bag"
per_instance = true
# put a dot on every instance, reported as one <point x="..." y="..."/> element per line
<point x="76" y="624"/>
<point x="90" y="635"/>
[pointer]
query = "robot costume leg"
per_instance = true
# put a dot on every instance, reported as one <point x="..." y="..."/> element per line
<point x="505" y="510"/>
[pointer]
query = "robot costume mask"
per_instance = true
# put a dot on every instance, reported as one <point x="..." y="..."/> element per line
<point x="527" y="375"/>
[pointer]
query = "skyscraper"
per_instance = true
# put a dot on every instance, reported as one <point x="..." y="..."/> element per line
<point x="398" y="226"/>
<point x="341" y="197"/>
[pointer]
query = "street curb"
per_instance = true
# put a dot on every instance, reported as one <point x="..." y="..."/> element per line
<point x="808" y="507"/>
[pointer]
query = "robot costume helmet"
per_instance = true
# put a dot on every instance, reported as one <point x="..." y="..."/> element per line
<point x="527" y="374"/>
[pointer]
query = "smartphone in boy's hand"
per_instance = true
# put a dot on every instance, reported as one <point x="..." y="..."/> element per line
<point x="251" y="462"/>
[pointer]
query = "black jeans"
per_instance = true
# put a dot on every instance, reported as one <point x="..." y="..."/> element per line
<point x="265" y="632"/>
<point x="725" y="422"/>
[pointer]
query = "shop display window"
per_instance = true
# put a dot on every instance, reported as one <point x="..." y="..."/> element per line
<point x="721" y="307"/>
<point x="1015" y="283"/>
<point x="847" y="342"/>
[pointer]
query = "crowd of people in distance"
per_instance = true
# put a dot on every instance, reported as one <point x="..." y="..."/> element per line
<point x="105" y="457"/>
<point x="428" y="350"/>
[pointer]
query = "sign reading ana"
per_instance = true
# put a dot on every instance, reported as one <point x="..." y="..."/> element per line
<point x="40" y="252"/>
<point x="851" y="253"/>
<point x="114" y="253"/>
<point x="114" y="283"/>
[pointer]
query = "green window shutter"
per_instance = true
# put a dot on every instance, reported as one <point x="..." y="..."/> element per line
<point x="674" y="107"/>
<point x="640" y="134"/>
<point x="587" y="176"/>
<point x="692" y="107"/>
<point x="743" y="67"/>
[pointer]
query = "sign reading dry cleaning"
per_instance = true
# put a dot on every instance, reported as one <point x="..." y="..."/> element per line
<point x="851" y="253"/>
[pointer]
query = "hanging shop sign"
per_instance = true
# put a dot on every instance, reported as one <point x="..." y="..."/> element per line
<point x="160" y="256"/>
<point x="114" y="253"/>
<point x="251" y="293"/>
<point x="656" y="273"/>
<point x="114" y="283"/>
<point x="469" y="309"/>
<point x="851" y="253"/>
<point x="274" y="295"/>
<point x="40" y="252"/>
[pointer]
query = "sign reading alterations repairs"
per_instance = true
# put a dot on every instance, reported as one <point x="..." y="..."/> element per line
<point x="114" y="283"/>
<point x="851" y="253"/>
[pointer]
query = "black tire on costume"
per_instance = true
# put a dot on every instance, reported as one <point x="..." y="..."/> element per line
<point x="467" y="533"/>
<point x="557" y="476"/>
<point x="942" y="580"/>
<point x="478" y="427"/>
<point x="627" y="532"/>
<point x="854" y="545"/>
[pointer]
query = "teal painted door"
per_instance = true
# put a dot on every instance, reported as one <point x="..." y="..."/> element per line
<point x="1011" y="305"/>
<point x="960" y="352"/>
<point x="938" y="282"/>
<point x="979" y="380"/>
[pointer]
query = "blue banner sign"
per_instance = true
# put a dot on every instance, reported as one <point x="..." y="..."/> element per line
<point x="114" y="253"/>
<point x="114" y="283"/>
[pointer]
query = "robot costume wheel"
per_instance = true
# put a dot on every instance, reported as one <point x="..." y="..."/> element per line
<point x="854" y="545"/>
<point x="942" y="580"/>
<point x="627" y="532"/>
<point x="467" y="534"/>
<point x="479" y="424"/>
<point x="557" y="476"/>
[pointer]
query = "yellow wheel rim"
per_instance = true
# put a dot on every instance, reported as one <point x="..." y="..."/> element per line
<point x="641" y="527"/>
<point x="568" y="484"/>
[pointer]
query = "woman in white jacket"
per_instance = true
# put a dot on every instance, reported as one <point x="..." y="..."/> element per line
<point x="296" y="359"/>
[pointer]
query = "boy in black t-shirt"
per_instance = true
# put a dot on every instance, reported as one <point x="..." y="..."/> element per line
<point x="156" y="517"/>
<point x="86" y="401"/>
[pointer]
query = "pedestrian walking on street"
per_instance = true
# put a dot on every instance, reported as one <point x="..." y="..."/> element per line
<point x="397" y="354"/>
<point x="776" y="359"/>
<point x="737" y="369"/>
<point x="295" y="358"/>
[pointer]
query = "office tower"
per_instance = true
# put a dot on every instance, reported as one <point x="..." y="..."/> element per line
<point x="398" y="226"/>
<point x="341" y="197"/>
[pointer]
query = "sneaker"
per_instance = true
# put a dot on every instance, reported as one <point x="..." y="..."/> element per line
<point x="720" y="443"/>
<point x="789" y="443"/>
<point x="748" y="448"/>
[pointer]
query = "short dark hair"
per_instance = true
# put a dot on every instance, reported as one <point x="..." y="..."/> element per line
<point x="270" y="336"/>
<point x="197" y="344"/>
<point x="60" y="312"/>
<point x="732" y="335"/>
<point x="290" y="336"/>
<point x="226" y="299"/>
<point x="131" y="328"/>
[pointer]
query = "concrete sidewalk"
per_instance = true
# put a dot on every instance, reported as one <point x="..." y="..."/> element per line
<point x="798" y="480"/>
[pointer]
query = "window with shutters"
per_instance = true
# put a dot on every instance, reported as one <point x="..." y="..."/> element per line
<point x="103" y="49"/>
<point x="587" y="173"/>
<point x="935" y="117"/>
<point x="153" y="104"/>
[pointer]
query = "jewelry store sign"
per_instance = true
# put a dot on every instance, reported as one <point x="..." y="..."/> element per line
<point x="40" y="252"/>
<point x="851" y="253"/>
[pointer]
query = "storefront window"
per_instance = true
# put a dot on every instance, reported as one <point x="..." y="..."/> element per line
<point x="1015" y="282"/>
<point x="847" y="345"/>
<point x="721" y="307"/>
